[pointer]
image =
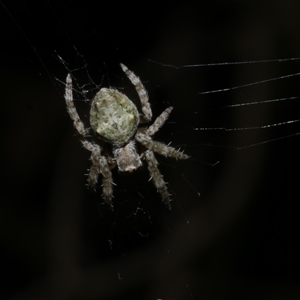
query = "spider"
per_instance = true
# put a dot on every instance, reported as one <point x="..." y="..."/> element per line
<point x="115" y="120"/>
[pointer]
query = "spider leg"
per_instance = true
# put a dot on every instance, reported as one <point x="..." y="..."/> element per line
<point x="72" y="109"/>
<point x="158" y="147"/>
<point x="141" y="92"/>
<point x="160" y="121"/>
<point x="157" y="178"/>
<point x="100" y="165"/>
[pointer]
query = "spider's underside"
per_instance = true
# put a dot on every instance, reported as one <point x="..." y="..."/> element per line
<point x="114" y="119"/>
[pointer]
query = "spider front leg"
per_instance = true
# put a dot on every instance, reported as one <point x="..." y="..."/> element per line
<point x="157" y="178"/>
<point x="100" y="165"/>
<point x="143" y="95"/>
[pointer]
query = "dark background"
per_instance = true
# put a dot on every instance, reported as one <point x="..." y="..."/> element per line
<point x="238" y="240"/>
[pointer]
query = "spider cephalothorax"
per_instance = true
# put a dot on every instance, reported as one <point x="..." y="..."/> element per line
<point x="115" y="120"/>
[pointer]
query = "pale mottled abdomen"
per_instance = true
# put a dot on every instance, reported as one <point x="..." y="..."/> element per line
<point x="113" y="116"/>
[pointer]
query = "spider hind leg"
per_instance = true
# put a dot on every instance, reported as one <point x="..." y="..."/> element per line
<point x="143" y="95"/>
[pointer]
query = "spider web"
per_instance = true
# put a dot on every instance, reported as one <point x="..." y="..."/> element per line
<point x="234" y="211"/>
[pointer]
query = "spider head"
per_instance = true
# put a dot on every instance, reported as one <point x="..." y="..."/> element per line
<point x="127" y="158"/>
